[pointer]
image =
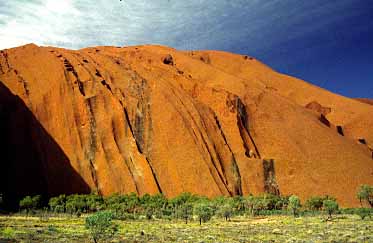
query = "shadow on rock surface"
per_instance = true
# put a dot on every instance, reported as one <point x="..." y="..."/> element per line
<point x="31" y="161"/>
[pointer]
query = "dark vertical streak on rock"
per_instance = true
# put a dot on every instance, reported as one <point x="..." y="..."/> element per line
<point x="94" y="176"/>
<point x="71" y="69"/>
<point x="129" y="167"/>
<point x="5" y="55"/>
<point x="205" y="145"/>
<point x="142" y="115"/>
<point x="222" y="175"/>
<point x="106" y="85"/>
<point x="241" y="129"/>
<point x="234" y="162"/>
<point x="195" y="138"/>
<point x="340" y="130"/>
<point x="133" y="178"/>
<point x="131" y="129"/>
<point x="70" y="92"/>
<point x="91" y="150"/>
<point x="270" y="184"/>
<point x="23" y="81"/>
<point x="236" y="172"/>
<point x="139" y="129"/>
<point x="92" y="132"/>
<point x="243" y="124"/>
<point x="98" y="74"/>
<point x="324" y="120"/>
<point x="154" y="175"/>
<point x="128" y="120"/>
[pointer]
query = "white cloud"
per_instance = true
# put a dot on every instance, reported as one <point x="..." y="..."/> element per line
<point x="42" y="22"/>
<point x="193" y="24"/>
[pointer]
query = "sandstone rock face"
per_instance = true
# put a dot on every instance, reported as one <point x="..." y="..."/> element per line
<point x="365" y="100"/>
<point x="152" y="119"/>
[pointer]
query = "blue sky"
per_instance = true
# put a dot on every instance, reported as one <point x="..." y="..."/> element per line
<point x="328" y="43"/>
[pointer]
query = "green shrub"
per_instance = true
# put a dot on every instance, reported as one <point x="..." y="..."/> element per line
<point x="365" y="193"/>
<point x="175" y="206"/>
<point x="52" y="229"/>
<point x="363" y="212"/>
<point x="30" y="203"/>
<point x="238" y="204"/>
<point x="57" y="204"/>
<point x="94" y="202"/>
<point x="330" y="206"/>
<point x="76" y="204"/>
<point x="225" y="210"/>
<point x="204" y="211"/>
<point x="186" y="211"/>
<point x="122" y="204"/>
<point x="149" y="212"/>
<point x="8" y="233"/>
<point x="314" y="203"/>
<point x="294" y="204"/>
<point x="101" y="226"/>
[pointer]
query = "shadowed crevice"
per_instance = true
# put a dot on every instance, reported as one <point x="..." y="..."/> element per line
<point x="243" y="125"/>
<point x="340" y="130"/>
<point x="154" y="175"/>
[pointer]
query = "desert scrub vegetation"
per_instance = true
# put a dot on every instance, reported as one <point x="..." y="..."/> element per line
<point x="275" y="228"/>
<point x="100" y="226"/>
<point x="365" y="193"/>
<point x="186" y="218"/>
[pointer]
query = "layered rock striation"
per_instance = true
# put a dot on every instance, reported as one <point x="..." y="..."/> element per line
<point x="152" y="119"/>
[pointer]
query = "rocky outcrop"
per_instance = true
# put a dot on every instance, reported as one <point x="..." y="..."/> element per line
<point x="152" y="119"/>
<point x="315" y="106"/>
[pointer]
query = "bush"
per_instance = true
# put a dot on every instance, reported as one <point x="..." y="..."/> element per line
<point x="58" y="204"/>
<point x="294" y="204"/>
<point x="8" y="233"/>
<point x="204" y="211"/>
<point x="30" y="203"/>
<point x="123" y="204"/>
<point x="330" y="206"/>
<point x="76" y="204"/>
<point x="175" y="206"/>
<point x="153" y="205"/>
<point x="314" y="203"/>
<point x="94" y="202"/>
<point x="100" y="226"/>
<point x="365" y="193"/>
<point x="225" y="210"/>
<point x="363" y="212"/>
<point x="186" y="211"/>
<point x="52" y="229"/>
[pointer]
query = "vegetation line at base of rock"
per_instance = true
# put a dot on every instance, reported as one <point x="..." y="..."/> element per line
<point x="186" y="205"/>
